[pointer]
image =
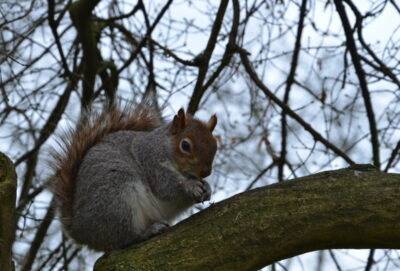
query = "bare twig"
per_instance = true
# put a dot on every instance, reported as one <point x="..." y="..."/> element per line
<point x="289" y="82"/>
<point x="230" y="47"/>
<point x="370" y="261"/>
<point x="144" y="39"/>
<point x="205" y="57"/>
<point x="335" y="261"/>
<point x="395" y="152"/>
<point x="38" y="239"/>
<point x="351" y="45"/>
<point x="317" y="136"/>
<point x="53" y="26"/>
<point x="381" y="65"/>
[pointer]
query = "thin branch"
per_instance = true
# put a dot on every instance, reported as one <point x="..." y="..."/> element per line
<point x="351" y="45"/>
<point x="262" y="172"/>
<point x="335" y="261"/>
<point x="205" y="57"/>
<point x="395" y="5"/>
<point x="138" y="6"/>
<point x="50" y="256"/>
<point x="230" y="47"/>
<point x="53" y="119"/>
<point x="289" y="83"/>
<point x="317" y="136"/>
<point x="53" y="26"/>
<point x="370" y="261"/>
<point x="170" y="53"/>
<point x="381" y="66"/>
<point x="395" y="152"/>
<point x="45" y="133"/>
<point x="144" y="39"/>
<point x="151" y="90"/>
<point x="38" y="239"/>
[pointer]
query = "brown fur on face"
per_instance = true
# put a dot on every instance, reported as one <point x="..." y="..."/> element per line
<point x="197" y="163"/>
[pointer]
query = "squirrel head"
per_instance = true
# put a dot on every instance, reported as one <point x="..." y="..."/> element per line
<point x="193" y="145"/>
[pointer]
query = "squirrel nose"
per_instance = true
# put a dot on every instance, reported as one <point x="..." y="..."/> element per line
<point x="204" y="172"/>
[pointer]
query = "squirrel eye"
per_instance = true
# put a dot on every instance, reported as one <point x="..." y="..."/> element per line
<point x="185" y="145"/>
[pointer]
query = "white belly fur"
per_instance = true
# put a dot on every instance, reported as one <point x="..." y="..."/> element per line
<point x="146" y="209"/>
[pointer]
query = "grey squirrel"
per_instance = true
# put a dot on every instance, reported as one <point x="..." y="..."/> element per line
<point x="121" y="177"/>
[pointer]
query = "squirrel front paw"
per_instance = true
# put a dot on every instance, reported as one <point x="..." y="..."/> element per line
<point x="157" y="228"/>
<point x="199" y="190"/>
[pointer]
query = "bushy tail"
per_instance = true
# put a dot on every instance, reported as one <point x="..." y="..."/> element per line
<point x="75" y="143"/>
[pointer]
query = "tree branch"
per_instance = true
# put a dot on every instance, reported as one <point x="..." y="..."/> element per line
<point x="317" y="136"/>
<point x="351" y="45"/>
<point x="45" y="133"/>
<point x="53" y="26"/>
<point x="145" y="38"/>
<point x="8" y="187"/>
<point x="356" y="207"/>
<point x="289" y="82"/>
<point x="38" y="239"/>
<point x="81" y="14"/>
<point x="395" y="152"/>
<point x="205" y="57"/>
<point x="230" y="46"/>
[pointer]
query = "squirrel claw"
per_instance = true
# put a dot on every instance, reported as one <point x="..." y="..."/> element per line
<point x="200" y="190"/>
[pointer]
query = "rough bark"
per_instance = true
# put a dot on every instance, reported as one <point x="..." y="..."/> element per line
<point x="8" y="185"/>
<point x="357" y="207"/>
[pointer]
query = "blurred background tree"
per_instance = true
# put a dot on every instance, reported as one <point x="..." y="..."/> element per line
<point x="299" y="87"/>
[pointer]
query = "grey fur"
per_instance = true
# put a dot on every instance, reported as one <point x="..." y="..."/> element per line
<point x="128" y="190"/>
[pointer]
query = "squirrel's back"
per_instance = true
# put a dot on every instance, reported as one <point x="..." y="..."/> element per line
<point x="75" y="144"/>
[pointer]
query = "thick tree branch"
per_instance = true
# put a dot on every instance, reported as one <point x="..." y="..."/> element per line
<point x="8" y="187"/>
<point x="81" y="13"/>
<point x="357" y="207"/>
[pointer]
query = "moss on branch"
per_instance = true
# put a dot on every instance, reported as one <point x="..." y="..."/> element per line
<point x="357" y="207"/>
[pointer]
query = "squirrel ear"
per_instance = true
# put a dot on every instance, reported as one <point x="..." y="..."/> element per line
<point x="178" y="123"/>
<point x="212" y="123"/>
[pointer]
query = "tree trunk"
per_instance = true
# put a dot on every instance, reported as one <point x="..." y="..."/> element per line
<point x="8" y="185"/>
<point x="357" y="207"/>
